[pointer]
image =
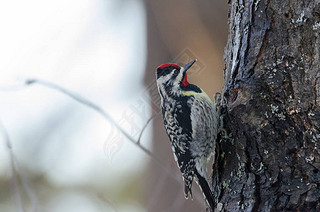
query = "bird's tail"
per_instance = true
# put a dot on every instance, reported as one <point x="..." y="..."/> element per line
<point x="205" y="190"/>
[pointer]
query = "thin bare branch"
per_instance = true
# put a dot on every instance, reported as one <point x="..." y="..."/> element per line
<point x="14" y="177"/>
<point x="145" y="126"/>
<point x="91" y="105"/>
<point x="109" y="202"/>
<point x="102" y="112"/>
<point x="28" y="189"/>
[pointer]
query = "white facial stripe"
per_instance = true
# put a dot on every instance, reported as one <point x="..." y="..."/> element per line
<point x="180" y="75"/>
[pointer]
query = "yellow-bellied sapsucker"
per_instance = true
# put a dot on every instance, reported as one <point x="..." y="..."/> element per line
<point x="190" y="119"/>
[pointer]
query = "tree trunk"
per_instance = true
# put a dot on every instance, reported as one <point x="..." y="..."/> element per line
<point x="271" y="161"/>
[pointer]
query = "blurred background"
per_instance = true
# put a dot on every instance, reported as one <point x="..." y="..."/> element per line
<point x="58" y="155"/>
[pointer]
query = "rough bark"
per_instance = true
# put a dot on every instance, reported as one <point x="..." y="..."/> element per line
<point x="272" y="89"/>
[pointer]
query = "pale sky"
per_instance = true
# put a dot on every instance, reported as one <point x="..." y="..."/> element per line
<point x="86" y="46"/>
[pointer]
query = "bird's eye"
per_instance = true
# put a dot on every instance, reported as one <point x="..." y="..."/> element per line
<point x="176" y="72"/>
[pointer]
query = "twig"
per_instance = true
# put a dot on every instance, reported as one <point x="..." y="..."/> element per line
<point x="91" y="105"/>
<point x="29" y="191"/>
<point x="109" y="202"/>
<point x="102" y="112"/>
<point x="98" y="109"/>
<point x="14" y="177"/>
<point x="145" y="126"/>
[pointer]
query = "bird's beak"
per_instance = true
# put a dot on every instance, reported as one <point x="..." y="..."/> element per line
<point x="187" y="66"/>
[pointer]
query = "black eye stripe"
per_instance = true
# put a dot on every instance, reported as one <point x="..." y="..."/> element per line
<point x="162" y="72"/>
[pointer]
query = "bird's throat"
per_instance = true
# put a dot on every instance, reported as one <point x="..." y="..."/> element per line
<point x="185" y="81"/>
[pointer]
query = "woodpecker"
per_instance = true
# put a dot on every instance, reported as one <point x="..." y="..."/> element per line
<point x="190" y="119"/>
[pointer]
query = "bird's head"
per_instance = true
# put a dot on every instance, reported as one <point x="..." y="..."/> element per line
<point x="171" y="75"/>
